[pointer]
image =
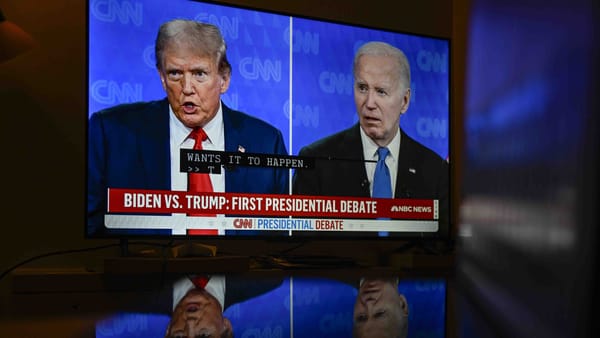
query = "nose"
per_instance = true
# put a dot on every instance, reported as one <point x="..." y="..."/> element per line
<point x="188" y="328"/>
<point x="370" y="100"/>
<point x="188" y="86"/>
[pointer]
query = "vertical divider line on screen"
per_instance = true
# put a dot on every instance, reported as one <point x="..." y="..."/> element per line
<point x="291" y="108"/>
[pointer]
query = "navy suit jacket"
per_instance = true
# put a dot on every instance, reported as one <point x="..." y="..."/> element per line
<point x="340" y="171"/>
<point x="128" y="147"/>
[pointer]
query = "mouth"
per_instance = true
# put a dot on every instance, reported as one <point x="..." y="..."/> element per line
<point x="371" y="285"/>
<point x="188" y="107"/>
<point x="369" y="297"/>
<point x="371" y="119"/>
<point x="369" y="291"/>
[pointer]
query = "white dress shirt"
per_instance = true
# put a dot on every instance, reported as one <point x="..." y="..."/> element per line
<point x="370" y="153"/>
<point x="215" y="287"/>
<point x="180" y="140"/>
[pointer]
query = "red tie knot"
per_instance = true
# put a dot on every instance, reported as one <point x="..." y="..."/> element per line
<point x="200" y="281"/>
<point x="198" y="134"/>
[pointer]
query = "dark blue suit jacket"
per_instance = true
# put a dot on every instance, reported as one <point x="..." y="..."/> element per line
<point x="128" y="147"/>
<point x="340" y="171"/>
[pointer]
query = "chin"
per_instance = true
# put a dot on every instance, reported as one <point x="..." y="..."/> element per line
<point x="376" y="135"/>
<point x="192" y="121"/>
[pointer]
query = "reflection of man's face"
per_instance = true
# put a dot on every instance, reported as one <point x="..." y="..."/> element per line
<point x="380" y="311"/>
<point x="193" y="84"/>
<point x="198" y="314"/>
<point x="379" y="96"/>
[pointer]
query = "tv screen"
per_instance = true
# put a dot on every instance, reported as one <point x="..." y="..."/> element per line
<point x="293" y="123"/>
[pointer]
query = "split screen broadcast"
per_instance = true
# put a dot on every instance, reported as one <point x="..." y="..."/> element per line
<point x="292" y="119"/>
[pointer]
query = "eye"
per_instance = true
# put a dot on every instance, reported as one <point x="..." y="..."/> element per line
<point x="362" y="88"/>
<point x="174" y="74"/>
<point x="379" y="313"/>
<point x="381" y="92"/>
<point x="361" y="317"/>
<point x="200" y="75"/>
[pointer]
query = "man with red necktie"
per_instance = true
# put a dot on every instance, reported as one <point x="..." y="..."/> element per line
<point x="137" y="145"/>
<point x="198" y="302"/>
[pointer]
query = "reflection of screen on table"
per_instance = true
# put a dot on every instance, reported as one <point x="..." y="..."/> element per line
<point x="299" y="307"/>
<point x="303" y="88"/>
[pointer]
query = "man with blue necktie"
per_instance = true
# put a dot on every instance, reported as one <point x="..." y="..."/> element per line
<point x="375" y="157"/>
<point x="380" y="310"/>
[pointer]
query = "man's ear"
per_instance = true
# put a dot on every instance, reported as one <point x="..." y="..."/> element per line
<point x="162" y="80"/>
<point x="403" y="304"/>
<point x="405" y="101"/>
<point x="168" y="330"/>
<point x="225" y="80"/>
<point x="227" y="326"/>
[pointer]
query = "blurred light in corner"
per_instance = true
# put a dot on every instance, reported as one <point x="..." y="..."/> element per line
<point x="13" y="40"/>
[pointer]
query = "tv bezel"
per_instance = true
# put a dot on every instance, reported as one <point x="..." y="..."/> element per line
<point x="442" y="235"/>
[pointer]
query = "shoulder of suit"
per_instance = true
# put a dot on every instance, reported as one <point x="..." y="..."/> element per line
<point x="243" y="120"/>
<point x="134" y="108"/>
<point x="419" y="150"/>
<point x="340" y="140"/>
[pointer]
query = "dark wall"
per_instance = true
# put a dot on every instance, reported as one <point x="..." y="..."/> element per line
<point x="528" y="260"/>
<point x="42" y="94"/>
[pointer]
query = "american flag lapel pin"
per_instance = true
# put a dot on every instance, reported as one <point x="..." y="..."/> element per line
<point x="412" y="170"/>
<point x="241" y="149"/>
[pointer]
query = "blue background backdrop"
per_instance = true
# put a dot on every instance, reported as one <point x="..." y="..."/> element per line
<point x="316" y="103"/>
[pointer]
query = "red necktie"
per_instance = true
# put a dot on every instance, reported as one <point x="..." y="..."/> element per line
<point x="200" y="281"/>
<point x="199" y="182"/>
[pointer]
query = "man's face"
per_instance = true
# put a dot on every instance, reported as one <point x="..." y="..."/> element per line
<point x="379" y="311"/>
<point x="198" y="314"/>
<point x="379" y="96"/>
<point x="193" y="85"/>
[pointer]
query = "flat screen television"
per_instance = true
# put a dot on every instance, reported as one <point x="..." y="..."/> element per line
<point x="296" y="74"/>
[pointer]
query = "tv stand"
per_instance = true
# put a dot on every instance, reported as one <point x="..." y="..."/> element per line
<point x="147" y="250"/>
<point x="186" y="257"/>
<point x="124" y="247"/>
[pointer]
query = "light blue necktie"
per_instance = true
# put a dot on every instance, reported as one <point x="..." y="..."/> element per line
<point x="382" y="184"/>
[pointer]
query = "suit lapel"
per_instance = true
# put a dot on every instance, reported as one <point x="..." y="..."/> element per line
<point x="405" y="167"/>
<point x="153" y="145"/>
<point x="356" y="171"/>
<point x="235" y="176"/>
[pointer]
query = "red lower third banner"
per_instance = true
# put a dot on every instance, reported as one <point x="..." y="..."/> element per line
<point x="165" y="201"/>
